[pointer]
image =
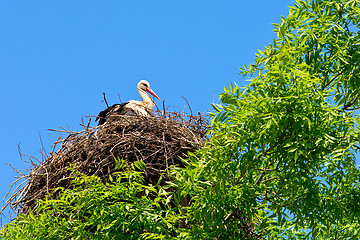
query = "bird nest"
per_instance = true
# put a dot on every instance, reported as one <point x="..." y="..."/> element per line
<point x="159" y="141"/>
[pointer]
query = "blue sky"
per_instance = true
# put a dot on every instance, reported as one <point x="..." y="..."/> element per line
<point x="58" y="57"/>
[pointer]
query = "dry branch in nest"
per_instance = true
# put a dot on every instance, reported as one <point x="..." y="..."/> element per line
<point x="159" y="142"/>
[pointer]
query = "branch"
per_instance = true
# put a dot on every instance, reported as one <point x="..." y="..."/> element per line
<point x="333" y="79"/>
<point x="349" y="104"/>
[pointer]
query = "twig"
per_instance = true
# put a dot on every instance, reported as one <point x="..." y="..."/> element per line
<point x="43" y="150"/>
<point x="85" y="126"/>
<point x="63" y="131"/>
<point x="188" y="106"/>
<point x="119" y="98"/>
<point x="164" y="111"/>
<point x="88" y="125"/>
<point x="104" y="100"/>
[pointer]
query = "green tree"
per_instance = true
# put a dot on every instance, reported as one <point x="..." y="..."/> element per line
<point x="125" y="208"/>
<point x="281" y="159"/>
<point x="280" y="163"/>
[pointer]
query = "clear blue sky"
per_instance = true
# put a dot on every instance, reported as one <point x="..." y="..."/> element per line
<point x="58" y="57"/>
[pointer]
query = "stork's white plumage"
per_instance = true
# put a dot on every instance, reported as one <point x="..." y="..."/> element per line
<point x="132" y="108"/>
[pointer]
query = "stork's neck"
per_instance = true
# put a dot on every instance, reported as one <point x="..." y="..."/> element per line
<point x="148" y="102"/>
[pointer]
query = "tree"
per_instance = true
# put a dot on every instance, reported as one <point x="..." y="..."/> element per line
<point x="281" y="159"/>
<point x="281" y="162"/>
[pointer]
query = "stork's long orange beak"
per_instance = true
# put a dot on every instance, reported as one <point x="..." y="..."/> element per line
<point x="152" y="93"/>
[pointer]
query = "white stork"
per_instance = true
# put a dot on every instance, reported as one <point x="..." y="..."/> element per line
<point x="132" y="107"/>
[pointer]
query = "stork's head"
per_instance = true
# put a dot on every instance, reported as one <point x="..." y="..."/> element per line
<point x="143" y="85"/>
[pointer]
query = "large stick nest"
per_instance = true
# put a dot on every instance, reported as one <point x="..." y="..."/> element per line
<point x="159" y="142"/>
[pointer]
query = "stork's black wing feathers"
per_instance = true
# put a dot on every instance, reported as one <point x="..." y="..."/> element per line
<point x="102" y="115"/>
<point x="116" y="109"/>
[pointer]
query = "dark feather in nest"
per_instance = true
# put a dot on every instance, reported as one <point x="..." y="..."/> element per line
<point x="111" y="113"/>
<point x="158" y="141"/>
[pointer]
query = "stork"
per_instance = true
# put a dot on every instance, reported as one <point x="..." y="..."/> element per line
<point x="132" y="107"/>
